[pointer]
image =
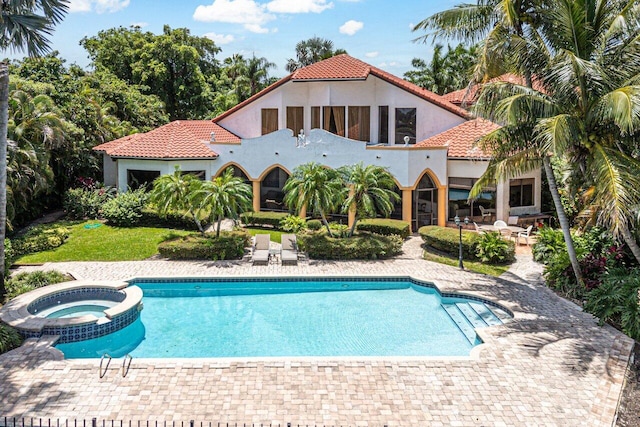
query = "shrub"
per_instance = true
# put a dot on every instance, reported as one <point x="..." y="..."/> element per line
<point x="151" y="218"/>
<point x="38" y="239"/>
<point x="263" y="218"/>
<point x="361" y="246"/>
<point x="9" y="255"/>
<point x="616" y="300"/>
<point x="125" y="210"/>
<point x="339" y="230"/>
<point x="385" y="226"/>
<point x="492" y="248"/>
<point x="25" y="282"/>
<point x="293" y="224"/>
<point x="9" y="338"/>
<point x="81" y="203"/>
<point x="549" y="242"/>
<point x="446" y="240"/>
<point x="230" y="245"/>
<point x="314" y="224"/>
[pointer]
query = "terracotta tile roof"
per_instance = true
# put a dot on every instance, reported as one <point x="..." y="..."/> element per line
<point x="345" y="67"/>
<point x="469" y="96"/>
<point x="182" y="139"/>
<point x="460" y="140"/>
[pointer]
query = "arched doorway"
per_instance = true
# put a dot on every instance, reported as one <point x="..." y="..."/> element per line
<point x="271" y="194"/>
<point x="424" y="203"/>
<point x="237" y="172"/>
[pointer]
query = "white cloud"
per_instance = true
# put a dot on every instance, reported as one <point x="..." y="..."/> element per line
<point x="298" y="6"/>
<point x="98" y="6"/>
<point x="220" y="39"/>
<point x="140" y="24"/>
<point x="351" y="27"/>
<point x="247" y="12"/>
<point x="371" y="54"/>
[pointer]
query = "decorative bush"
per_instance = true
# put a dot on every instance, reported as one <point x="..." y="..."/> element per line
<point x="338" y="229"/>
<point x="263" y="218"/>
<point x="293" y="224"/>
<point x="446" y="240"/>
<point x="314" y="224"/>
<point x="151" y="218"/>
<point x="9" y="255"/>
<point x="38" y="239"/>
<point x="125" y="210"/>
<point x="361" y="246"/>
<point x="385" y="226"/>
<point x="492" y="248"/>
<point x="25" y="282"/>
<point x="230" y="245"/>
<point x="9" y="338"/>
<point x="81" y="203"/>
<point x="549" y="242"/>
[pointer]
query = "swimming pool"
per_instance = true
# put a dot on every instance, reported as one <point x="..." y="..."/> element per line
<point x="294" y="317"/>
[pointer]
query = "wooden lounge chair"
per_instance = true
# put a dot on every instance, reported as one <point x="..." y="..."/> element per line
<point x="260" y="254"/>
<point x="289" y="252"/>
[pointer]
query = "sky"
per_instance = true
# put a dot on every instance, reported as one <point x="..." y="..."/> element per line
<point x="375" y="31"/>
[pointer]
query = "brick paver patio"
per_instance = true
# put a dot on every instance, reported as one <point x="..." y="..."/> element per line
<point x="553" y="365"/>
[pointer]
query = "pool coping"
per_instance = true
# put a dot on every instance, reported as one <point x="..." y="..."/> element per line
<point x="16" y="313"/>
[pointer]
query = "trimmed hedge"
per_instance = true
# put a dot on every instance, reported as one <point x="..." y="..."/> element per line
<point x="125" y="210"/>
<point x="263" y="218"/>
<point x="447" y="240"/>
<point x="151" y="218"/>
<point x="385" y="226"/>
<point x="230" y="245"/>
<point x="361" y="246"/>
<point x="314" y="224"/>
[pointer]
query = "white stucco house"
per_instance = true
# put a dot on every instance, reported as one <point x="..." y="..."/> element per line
<point x="337" y="112"/>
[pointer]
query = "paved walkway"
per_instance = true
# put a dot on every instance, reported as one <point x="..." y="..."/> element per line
<point x="553" y="365"/>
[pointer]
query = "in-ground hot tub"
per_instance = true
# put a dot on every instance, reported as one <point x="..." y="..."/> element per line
<point x="74" y="311"/>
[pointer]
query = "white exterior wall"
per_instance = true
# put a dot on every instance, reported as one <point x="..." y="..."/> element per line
<point x="373" y="92"/>
<point x="165" y="167"/>
<point x="259" y="155"/>
<point x="110" y="169"/>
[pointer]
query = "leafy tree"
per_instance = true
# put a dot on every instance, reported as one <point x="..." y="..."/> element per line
<point x="370" y="191"/>
<point x="316" y="187"/>
<point x="175" y="66"/>
<point x="445" y="72"/>
<point x="171" y="193"/>
<point x="25" y="26"/>
<point x="224" y="197"/>
<point x="311" y="51"/>
<point x="248" y="76"/>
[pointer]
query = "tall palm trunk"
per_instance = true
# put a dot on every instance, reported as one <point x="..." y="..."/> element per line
<point x="326" y="223"/>
<point x="630" y="240"/>
<point x="4" y="119"/>
<point x="562" y="218"/>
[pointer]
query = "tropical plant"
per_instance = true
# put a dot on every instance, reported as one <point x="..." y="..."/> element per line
<point x="171" y="193"/>
<point x="224" y="197"/>
<point x="315" y="187"/>
<point x="311" y="51"/>
<point x="249" y="76"/>
<point x="369" y="191"/>
<point x="9" y="338"/>
<point x="28" y="281"/>
<point x="293" y="224"/>
<point x="549" y="242"/>
<point x="25" y="26"/>
<point x="493" y="248"/>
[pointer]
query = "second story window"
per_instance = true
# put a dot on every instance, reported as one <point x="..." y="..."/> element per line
<point x="295" y="119"/>
<point x="269" y="120"/>
<point x="383" y="124"/>
<point x="315" y="117"/>
<point x="359" y="123"/>
<point x="333" y="120"/>
<point x="405" y="125"/>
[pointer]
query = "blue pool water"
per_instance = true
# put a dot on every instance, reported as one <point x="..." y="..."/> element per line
<point x="288" y="318"/>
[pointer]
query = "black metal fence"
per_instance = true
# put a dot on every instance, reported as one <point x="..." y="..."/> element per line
<point x="94" y="422"/>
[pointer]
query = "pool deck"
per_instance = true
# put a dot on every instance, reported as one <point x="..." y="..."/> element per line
<point x="553" y="365"/>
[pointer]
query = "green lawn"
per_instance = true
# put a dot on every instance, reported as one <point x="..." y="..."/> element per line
<point x="275" y="234"/>
<point x="476" y="266"/>
<point x="104" y="243"/>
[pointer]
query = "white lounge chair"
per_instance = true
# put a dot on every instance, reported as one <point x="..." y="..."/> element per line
<point x="478" y="229"/>
<point x="260" y="254"/>
<point x="501" y="227"/>
<point x="525" y="234"/>
<point x="289" y="251"/>
<point x="486" y="213"/>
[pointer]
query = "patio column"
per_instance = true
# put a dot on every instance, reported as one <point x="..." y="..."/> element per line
<point x="442" y="206"/>
<point x="406" y="207"/>
<point x="256" y="195"/>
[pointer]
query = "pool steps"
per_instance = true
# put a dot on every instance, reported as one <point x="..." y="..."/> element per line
<point x="469" y="316"/>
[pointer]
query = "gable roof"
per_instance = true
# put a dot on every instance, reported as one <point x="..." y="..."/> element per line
<point x="344" y="68"/>
<point x="181" y="139"/>
<point x="469" y="95"/>
<point x="460" y="140"/>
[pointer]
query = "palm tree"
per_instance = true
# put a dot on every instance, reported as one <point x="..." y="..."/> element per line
<point x="311" y="51"/>
<point x="225" y="197"/>
<point x="25" y="26"/>
<point x="501" y="25"/>
<point x="171" y="193"/>
<point x="316" y="187"/>
<point x="370" y="191"/>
